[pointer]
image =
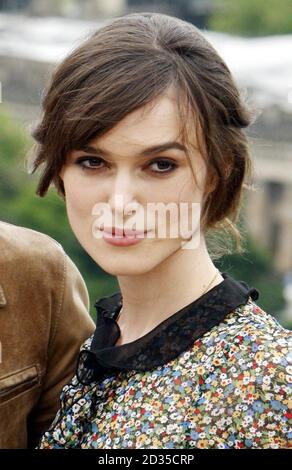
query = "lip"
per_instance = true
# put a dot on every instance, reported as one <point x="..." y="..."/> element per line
<point x="115" y="236"/>
<point x="119" y="232"/>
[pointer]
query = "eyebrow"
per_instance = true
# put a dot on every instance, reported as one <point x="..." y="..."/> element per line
<point x="154" y="149"/>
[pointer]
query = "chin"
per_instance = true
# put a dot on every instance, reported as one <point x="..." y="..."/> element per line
<point x="125" y="265"/>
<point x="116" y="270"/>
<point x="124" y="262"/>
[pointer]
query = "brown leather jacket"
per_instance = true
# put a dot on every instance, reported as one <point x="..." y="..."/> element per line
<point x="43" y="321"/>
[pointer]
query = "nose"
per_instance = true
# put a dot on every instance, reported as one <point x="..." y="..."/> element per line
<point x="122" y="199"/>
<point x="122" y="205"/>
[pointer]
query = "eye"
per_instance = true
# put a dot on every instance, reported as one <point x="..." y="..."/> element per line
<point x="89" y="163"/>
<point x="163" y="165"/>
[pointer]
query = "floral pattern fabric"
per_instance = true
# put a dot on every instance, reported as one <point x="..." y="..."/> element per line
<point x="230" y="389"/>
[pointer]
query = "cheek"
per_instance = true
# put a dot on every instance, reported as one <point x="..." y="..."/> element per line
<point x="189" y="202"/>
<point x="78" y="196"/>
<point x="78" y="207"/>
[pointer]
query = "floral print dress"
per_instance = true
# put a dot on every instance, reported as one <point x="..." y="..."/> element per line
<point x="215" y="374"/>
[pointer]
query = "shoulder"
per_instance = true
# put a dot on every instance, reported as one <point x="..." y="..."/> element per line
<point x="40" y="256"/>
<point x="248" y="332"/>
<point x="258" y="355"/>
<point x="252" y="328"/>
<point x="251" y="338"/>
<point x="21" y="244"/>
<point x="265" y="347"/>
<point x="29" y="254"/>
<point x="246" y="375"/>
<point x="251" y="353"/>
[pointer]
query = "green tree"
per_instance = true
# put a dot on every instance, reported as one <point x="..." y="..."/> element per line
<point x="252" y="17"/>
<point x="255" y="268"/>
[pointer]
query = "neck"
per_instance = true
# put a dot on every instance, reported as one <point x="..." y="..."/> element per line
<point x="150" y="298"/>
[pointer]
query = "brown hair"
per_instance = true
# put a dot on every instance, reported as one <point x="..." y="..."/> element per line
<point x="129" y="63"/>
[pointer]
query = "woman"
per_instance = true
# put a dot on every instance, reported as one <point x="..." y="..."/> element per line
<point x="145" y="112"/>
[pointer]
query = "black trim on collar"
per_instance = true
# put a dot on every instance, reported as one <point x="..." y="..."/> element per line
<point x="167" y="340"/>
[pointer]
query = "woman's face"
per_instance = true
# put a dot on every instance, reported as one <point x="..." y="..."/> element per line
<point x="118" y="176"/>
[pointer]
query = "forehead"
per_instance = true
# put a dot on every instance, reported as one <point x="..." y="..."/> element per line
<point x="159" y="121"/>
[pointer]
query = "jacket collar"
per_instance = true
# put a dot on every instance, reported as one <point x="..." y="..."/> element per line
<point x="166" y="341"/>
<point x="2" y="297"/>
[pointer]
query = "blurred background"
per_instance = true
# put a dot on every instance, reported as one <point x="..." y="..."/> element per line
<point x="255" y="39"/>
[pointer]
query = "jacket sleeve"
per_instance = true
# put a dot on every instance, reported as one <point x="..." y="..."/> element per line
<point x="71" y="327"/>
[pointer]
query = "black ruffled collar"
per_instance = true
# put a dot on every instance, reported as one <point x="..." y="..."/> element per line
<point x="166" y="341"/>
